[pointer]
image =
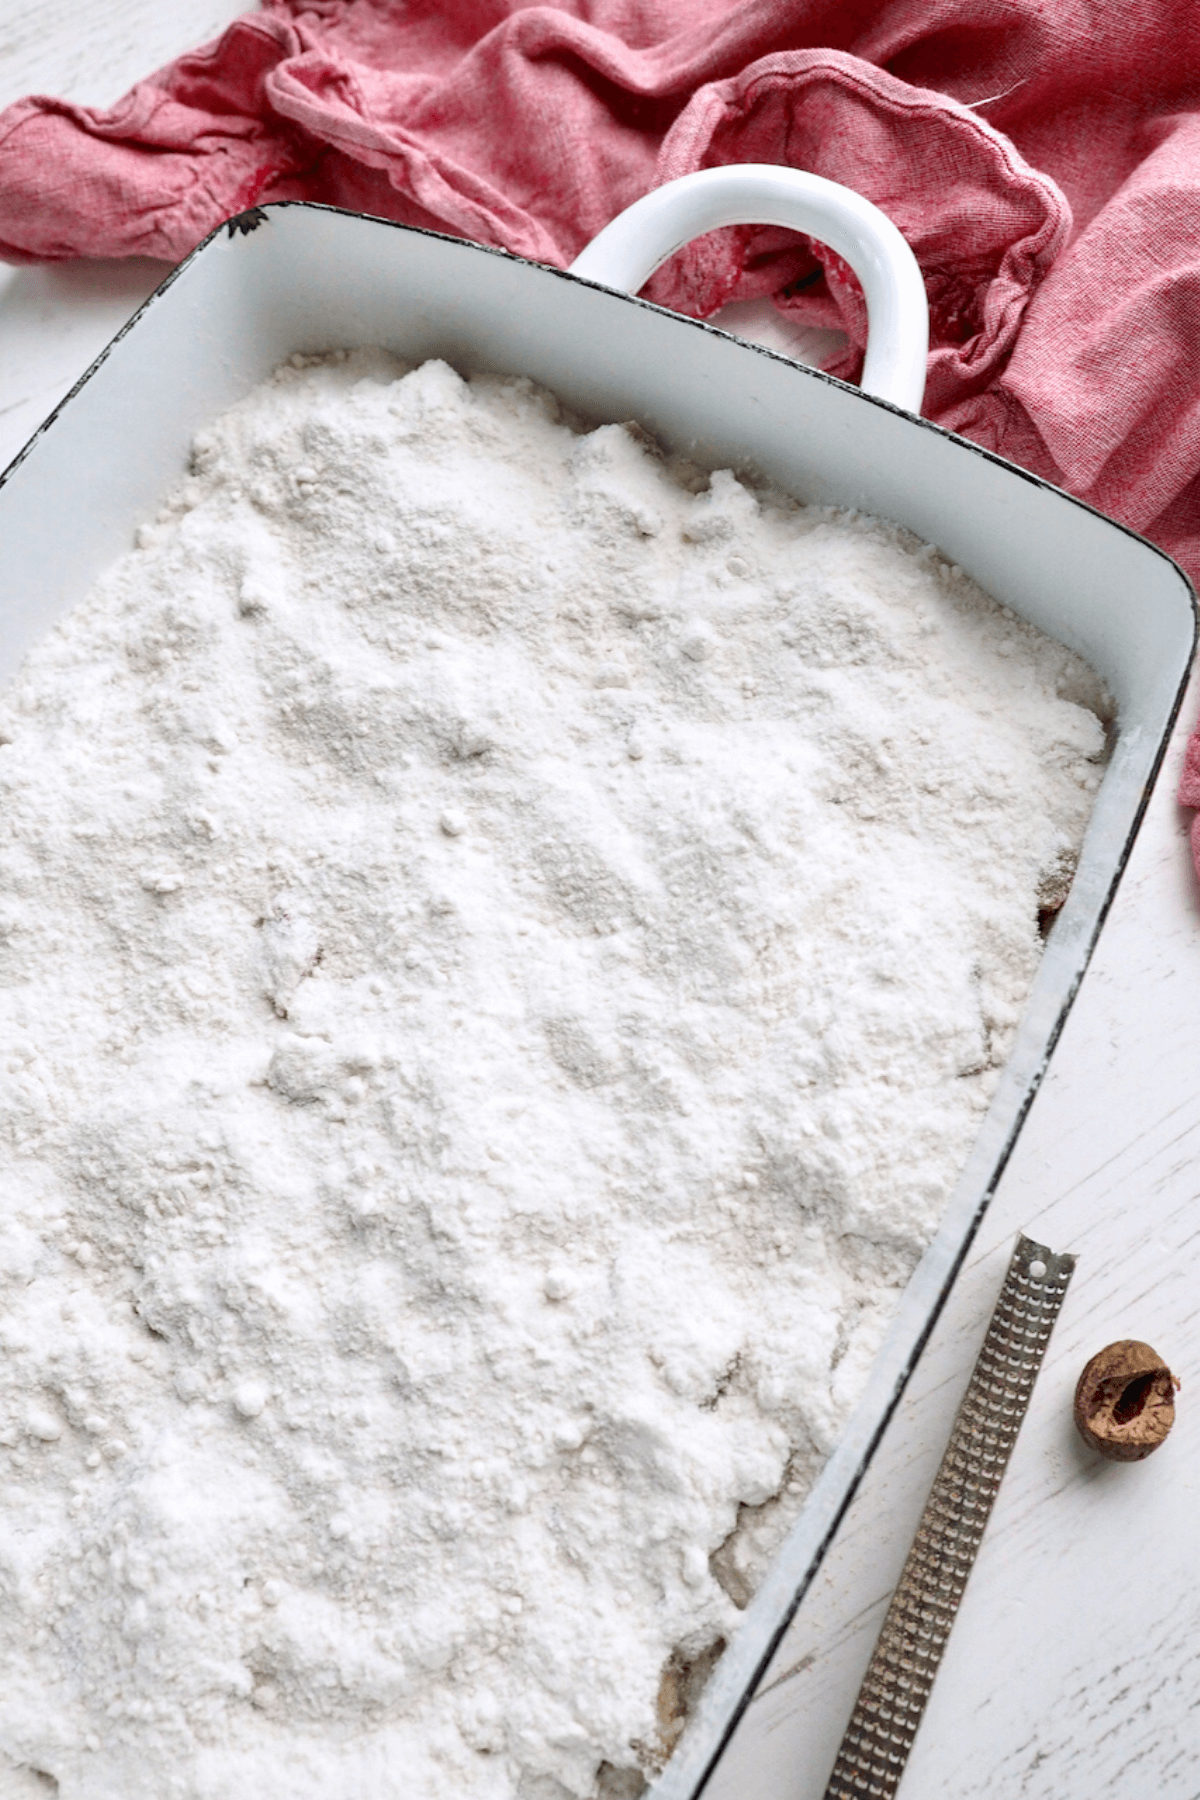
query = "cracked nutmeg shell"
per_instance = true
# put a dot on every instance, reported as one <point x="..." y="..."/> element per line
<point x="1125" y="1401"/>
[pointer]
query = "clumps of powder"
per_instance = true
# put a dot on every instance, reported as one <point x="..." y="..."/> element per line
<point x="505" y="942"/>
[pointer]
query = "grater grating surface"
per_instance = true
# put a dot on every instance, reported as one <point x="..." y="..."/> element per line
<point x="899" y="1677"/>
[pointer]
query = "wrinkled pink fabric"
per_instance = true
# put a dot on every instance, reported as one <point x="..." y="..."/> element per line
<point x="1041" y="156"/>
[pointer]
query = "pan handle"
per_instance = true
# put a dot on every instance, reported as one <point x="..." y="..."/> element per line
<point x="629" y="249"/>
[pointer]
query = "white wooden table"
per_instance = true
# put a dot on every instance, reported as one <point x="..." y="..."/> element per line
<point x="1074" y="1668"/>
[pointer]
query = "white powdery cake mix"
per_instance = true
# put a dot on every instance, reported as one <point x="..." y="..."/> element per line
<point x="504" y="945"/>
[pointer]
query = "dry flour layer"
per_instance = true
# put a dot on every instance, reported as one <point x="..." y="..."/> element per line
<point x="505" y="943"/>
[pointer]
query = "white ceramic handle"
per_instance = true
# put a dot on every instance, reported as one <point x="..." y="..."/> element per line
<point x="630" y="248"/>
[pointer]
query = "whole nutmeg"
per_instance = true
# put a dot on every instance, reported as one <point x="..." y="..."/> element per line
<point x="1125" y="1401"/>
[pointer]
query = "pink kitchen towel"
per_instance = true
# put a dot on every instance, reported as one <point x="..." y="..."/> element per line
<point x="1042" y="157"/>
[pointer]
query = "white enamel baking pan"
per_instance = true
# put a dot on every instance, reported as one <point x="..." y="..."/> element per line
<point x="296" y="277"/>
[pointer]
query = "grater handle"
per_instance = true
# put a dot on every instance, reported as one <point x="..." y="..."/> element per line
<point x="629" y="249"/>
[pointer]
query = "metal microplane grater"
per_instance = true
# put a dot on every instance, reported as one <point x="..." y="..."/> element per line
<point x="899" y="1677"/>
